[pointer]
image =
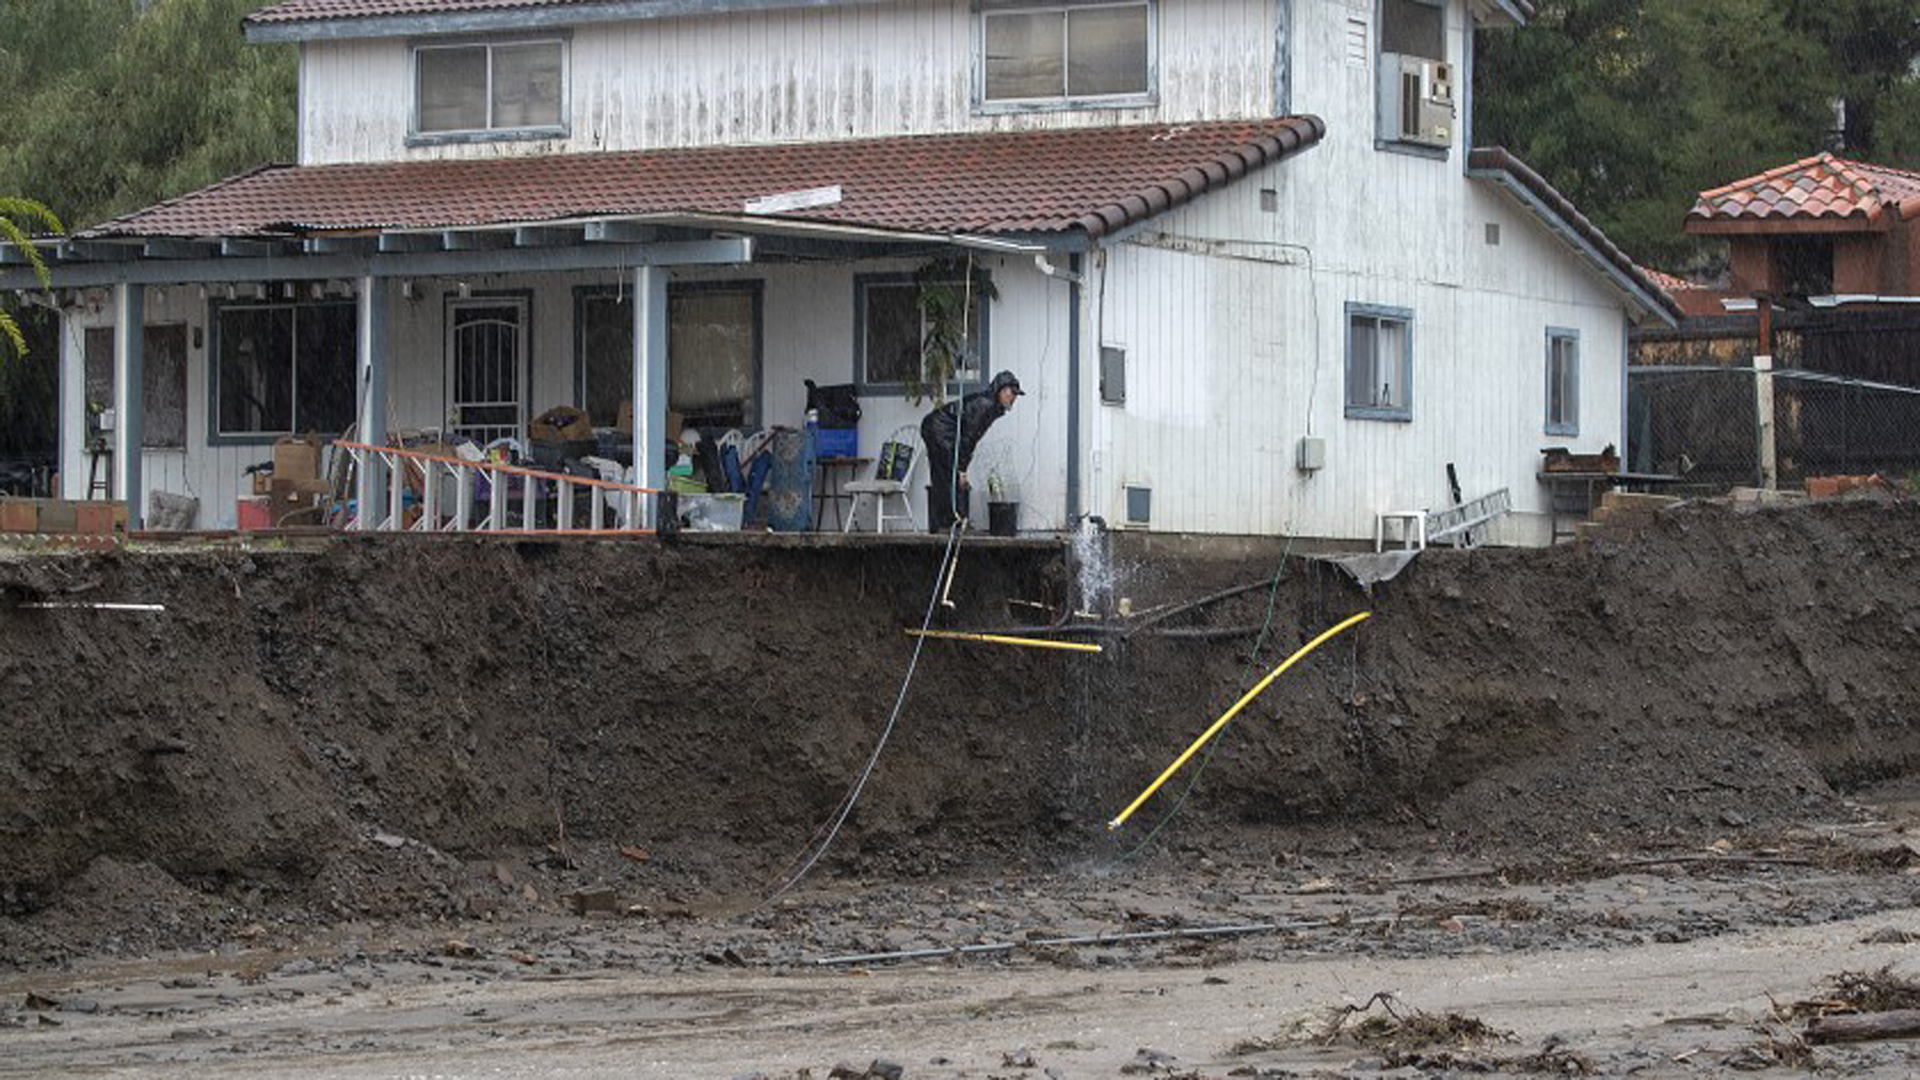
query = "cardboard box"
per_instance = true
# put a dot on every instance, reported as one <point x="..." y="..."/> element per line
<point x="675" y="422"/>
<point x="289" y="498"/>
<point x="296" y="457"/>
<point x="562" y="423"/>
<point x="263" y="482"/>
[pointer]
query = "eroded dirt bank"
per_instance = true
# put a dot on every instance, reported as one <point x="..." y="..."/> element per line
<point x="468" y="728"/>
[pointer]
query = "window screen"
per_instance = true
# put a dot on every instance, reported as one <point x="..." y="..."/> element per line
<point x="1067" y="52"/>
<point x="713" y="353"/>
<point x="163" y="378"/>
<point x="1413" y="28"/>
<point x="1563" y="382"/>
<point x="283" y="368"/>
<point x="504" y="87"/>
<point x="1379" y="364"/>
<point x="893" y="329"/>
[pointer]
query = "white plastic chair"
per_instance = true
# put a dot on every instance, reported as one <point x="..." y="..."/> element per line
<point x="880" y="490"/>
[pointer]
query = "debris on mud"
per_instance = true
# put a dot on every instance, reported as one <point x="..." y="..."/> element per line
<point x="1399" y="1028"/>
<point x="1861" y="992"/>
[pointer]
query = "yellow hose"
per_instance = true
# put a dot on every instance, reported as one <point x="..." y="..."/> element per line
<point x="998" y="639"/>
<point x="1229" y="715"/>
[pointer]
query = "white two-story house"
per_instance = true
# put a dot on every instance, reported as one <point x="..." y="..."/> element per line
<point x="1241" y="256"/>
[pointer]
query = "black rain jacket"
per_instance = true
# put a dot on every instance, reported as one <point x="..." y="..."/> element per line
<point x="956" y="427"/>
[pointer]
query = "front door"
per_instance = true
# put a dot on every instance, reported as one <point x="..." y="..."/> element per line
<point x="487" y="368"/>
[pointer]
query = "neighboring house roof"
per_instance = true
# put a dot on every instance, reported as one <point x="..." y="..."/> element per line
<point x="1089" y="181"/>
<point x="1822" y="191"/>
<point x="1531" y="190"/>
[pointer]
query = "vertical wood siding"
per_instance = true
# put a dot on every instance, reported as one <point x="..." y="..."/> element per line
<point x="782" y="76"/>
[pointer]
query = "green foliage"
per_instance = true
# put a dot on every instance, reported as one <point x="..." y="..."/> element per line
<point x="946" y="298"/>
<point x="1632" y="107"/>
<point x="110" y="105"/>
<point x="19" y="219"/>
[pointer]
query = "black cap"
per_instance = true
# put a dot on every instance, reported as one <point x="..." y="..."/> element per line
<point x="1004" y="380"/>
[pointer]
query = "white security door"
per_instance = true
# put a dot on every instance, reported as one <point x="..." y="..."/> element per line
<point x="487" y="368"/>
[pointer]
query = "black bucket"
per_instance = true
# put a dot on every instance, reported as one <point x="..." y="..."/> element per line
<point x="1003" y="518"/>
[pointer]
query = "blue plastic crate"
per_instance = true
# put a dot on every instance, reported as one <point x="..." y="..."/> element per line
<point x="837" y="442"/>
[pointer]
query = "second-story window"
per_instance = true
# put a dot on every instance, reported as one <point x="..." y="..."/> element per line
<point x="1062" y="54"/>
<point x="503" y="87"/>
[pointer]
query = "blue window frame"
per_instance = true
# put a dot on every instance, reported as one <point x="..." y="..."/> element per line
<point x="1379" y="362"/>
<point x="1065" y="54"/>
<point x="483" y="91"/>
<point x="280" y="367"/>
<point x="888" y="329"/>
<point x="1563" y="381"/>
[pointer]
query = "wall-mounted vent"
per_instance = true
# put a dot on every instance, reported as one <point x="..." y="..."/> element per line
<point x="1139" y="505"/>
<point x="1356" y="42"/>
<point x="1113" y="375"/>
<point x="1493" y="234"/>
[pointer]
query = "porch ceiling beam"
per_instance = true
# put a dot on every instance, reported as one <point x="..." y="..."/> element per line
<point x="397" y="243"/>
<point x="179" y="249"/>
<point x="235" y="248"/>
<point x="339" y="245"/>
<point x="621" y="232"/>
<point x="93" y="251"/>
<point x="719" y="252"/>
<point x="547" y="235"/>
<point x="476" y="239"/>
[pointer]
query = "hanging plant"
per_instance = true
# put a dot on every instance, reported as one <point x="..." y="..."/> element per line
<point x="946" y="345"/>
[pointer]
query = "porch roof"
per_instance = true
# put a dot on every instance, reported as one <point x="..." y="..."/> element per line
<point x="1035" y="184"/>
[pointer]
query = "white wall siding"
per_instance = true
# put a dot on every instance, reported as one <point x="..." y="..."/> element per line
<point x="783" y="76"/>
<point x="1235" y="337"/>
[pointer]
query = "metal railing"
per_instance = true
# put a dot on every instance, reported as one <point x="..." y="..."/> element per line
<point x="447" y="490"/>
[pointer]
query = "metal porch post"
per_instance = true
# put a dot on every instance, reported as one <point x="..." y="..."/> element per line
<point x="371" y="330"/>
<point x="649" y="379"/>
<point x="129" y="319"/>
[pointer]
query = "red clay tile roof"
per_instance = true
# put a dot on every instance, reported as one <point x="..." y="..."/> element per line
<point x="1815" y="188"/>
<point x="1092" y="180"/>
<point x="1669" y="282"/>
<point x="308" y="10"/>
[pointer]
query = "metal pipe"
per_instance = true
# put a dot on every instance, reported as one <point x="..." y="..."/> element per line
<point x="1002" y="639"/>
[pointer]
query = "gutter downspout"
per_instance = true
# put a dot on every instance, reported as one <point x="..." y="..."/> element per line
<point x="1073" y="381"/>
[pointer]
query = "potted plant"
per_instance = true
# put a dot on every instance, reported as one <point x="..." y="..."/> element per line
<point x="947" y="289"/>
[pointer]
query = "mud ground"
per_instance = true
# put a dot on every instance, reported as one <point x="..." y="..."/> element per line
<point x="326" y="814"/>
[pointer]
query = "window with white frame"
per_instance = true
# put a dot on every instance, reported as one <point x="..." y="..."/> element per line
<point x="1066" y="53"/>
<point x="490" y="88"/>
<point x="1563" y="382"/>
<point x="1379" y="362"/>
<point x="891" y="330"/>
<point x="281" y="368"/>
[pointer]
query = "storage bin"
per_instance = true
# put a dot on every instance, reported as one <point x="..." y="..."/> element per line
<point x="713" y="513"/>
<point x="836" y="442"/>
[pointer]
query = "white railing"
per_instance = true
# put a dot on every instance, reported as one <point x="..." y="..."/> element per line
<point x="445" y="491"/>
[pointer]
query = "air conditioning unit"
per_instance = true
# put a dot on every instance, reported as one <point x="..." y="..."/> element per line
<point x="1416" y="100"/>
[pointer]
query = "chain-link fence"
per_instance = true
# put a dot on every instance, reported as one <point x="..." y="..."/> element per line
<point x="1701" y="423"/>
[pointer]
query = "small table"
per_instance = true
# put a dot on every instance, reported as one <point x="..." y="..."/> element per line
<point x="831" y="475"/>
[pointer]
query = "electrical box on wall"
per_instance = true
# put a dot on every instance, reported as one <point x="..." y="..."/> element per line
<point x="1311" y="455"/>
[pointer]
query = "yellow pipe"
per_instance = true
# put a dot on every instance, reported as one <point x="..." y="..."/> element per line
<point x="1229" y="715"/>
<point x="998" y="639"/>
